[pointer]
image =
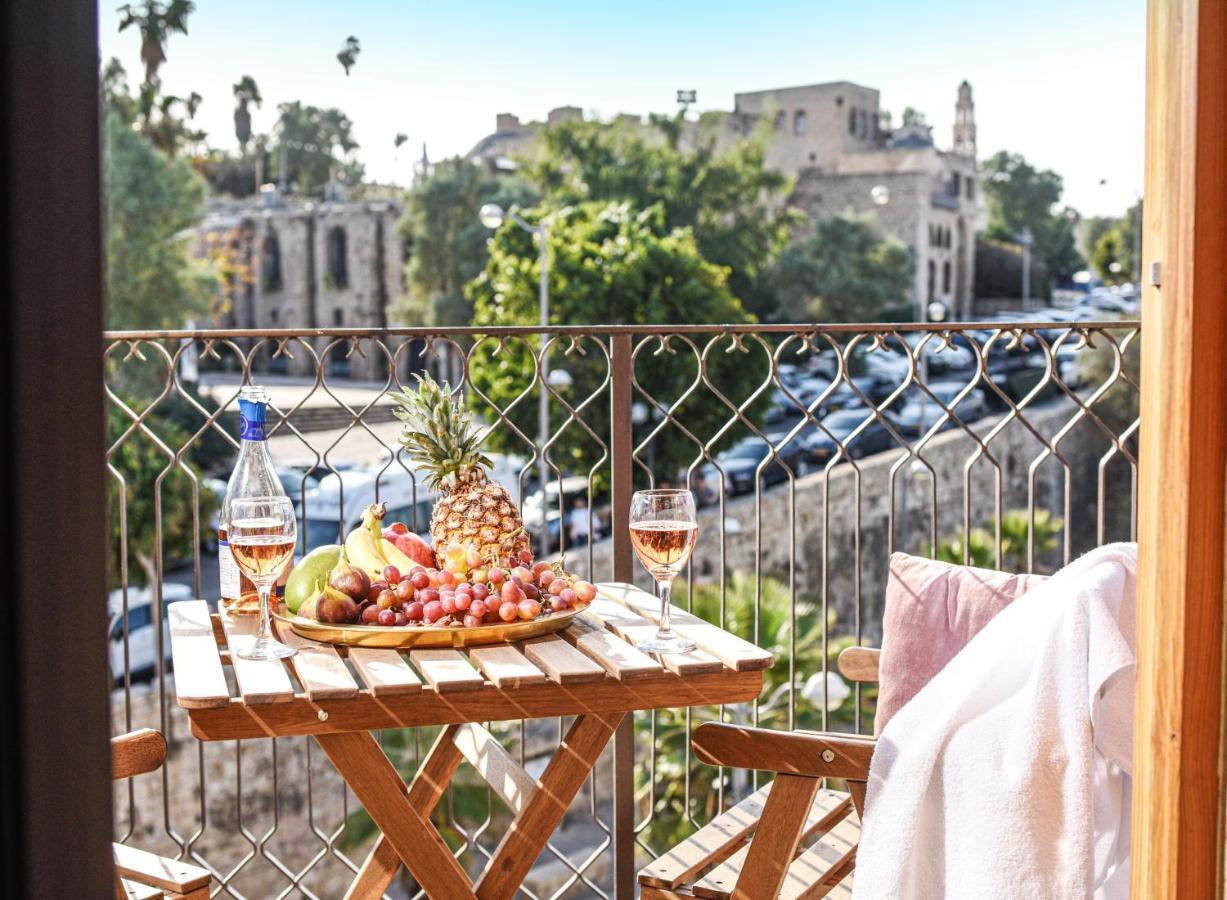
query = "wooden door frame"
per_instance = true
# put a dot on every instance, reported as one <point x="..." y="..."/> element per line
<point x="1178" y="745"/>
<point x="55" y="793"/>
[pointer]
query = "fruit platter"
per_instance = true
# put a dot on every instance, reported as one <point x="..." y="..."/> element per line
<point x="476" y="582"/>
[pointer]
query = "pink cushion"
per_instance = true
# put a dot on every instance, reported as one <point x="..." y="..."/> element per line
<point x="932" y="610"/>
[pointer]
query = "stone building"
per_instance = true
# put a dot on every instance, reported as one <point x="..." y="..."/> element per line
<point x="844" y="155"/>
<point x="334" y="264"/>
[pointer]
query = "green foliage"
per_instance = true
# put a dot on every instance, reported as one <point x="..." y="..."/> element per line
<point x="156" y="22"/>
<point x="729" y="199"/>
<point x="348" y="54"/>
<point x="981" y="546"/>
<point x="845" y="271"/>
<point x="246" y="94"/>
<point x="148" y="471"/>
<point x="1021" y="196"/>
<point x="609" y="263"/>
<point x="1109" y="257"/>
<point x="446" y="242"/>
<point x="305" y="140"/>
<point x="150" y="199"/>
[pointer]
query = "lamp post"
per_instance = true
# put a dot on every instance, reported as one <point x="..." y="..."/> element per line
<point x="492" y="216"/>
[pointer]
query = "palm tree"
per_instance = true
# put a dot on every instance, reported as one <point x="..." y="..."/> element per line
<point x="245" y="93"/>
<point x="156" y="22"/>
<point x="349" y="54"/>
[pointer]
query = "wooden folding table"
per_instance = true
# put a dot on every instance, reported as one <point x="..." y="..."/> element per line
<point x="340" y="696"/>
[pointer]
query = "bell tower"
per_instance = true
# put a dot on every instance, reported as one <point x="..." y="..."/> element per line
<point x="965" y="123"/>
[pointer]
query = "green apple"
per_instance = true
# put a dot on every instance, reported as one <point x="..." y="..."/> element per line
<point x="313" y="569"/>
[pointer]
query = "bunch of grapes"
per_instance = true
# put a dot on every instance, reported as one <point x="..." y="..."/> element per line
<point x="468" y="592"/>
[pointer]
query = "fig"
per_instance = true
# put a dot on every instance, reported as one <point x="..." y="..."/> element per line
<point x="349" y="579"/>
<point x="336" y="607"/>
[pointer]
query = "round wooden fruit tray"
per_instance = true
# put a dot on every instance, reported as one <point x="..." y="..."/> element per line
<point x="407" y="636"/>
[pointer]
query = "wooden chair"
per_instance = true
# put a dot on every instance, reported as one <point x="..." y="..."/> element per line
<point x="791" y="839"/>
<point x="140" y="875"/>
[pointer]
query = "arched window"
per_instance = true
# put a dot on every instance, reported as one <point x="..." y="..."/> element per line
<point x="852" y="120"/>
<point x="932" y="278"/>
<point x="946" y="277"/>
<point x="798" y="123"/>
<point x="338" y="264"/>
<point x="270" y="264"/>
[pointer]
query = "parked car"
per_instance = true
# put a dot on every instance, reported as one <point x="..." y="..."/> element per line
<point x="874" y="437"/>
<point x="957" y="357"/>
<point x="740" y="463"/>
<point x="919" y="412"/>
<point x="572" y="486"/>
<point x="142" y="636"/>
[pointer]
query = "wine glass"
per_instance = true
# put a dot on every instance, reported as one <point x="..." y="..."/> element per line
<point x="262" y="532"/>
<point x="664" y="527"/>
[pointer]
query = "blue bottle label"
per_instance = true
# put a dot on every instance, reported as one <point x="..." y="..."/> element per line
<point x="251" y="421"/>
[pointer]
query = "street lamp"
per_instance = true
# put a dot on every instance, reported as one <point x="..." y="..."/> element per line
<point x="879" y="194"/>
<point x="492" y="216"/>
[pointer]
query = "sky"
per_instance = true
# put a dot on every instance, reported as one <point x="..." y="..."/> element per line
<point x="1060" y="81"/>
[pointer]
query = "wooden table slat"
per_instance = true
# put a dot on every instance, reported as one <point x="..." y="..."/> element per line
<point x="259" y="680"/>
<point x="562" y="662"/>
<point x="199" y="678"/>
<point x="384" y="671"/>
<point x="319" y="668"/>
<point x="505" y="666"/>
<point x="632" y="627"/>
<point x="610" y="652"/>
<point x="733" y="651"/>
<point x="446" y="670"/>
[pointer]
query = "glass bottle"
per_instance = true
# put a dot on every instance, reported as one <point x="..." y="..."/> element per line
<point x="254" y="476"/>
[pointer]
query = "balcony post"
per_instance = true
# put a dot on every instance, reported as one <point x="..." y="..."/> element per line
<point x="1178" y="793"/>
<point x="622" y="486"/>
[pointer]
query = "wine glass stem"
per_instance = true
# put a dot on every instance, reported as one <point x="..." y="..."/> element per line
<point x="664" y="587"/>
<point x="264" y="632"/>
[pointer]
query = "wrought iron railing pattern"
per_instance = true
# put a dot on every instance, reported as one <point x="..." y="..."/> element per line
<point x="816" y="451"/>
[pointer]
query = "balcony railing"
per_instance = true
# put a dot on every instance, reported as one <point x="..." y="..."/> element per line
<point x="816" y="451"/>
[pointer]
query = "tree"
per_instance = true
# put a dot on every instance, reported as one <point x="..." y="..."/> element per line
<point x="608" y="263"/>
<point x="1016" y="534"/>
<point x="845" y="271"/>
<point x="729" y="198"/>
<point x="446" y="243"/>
<point x="1022" y="197"/>
<point x="246" y="94"/>
<point x="156" y="22"/>
<point x="1110" y="259"/>
<point x="306" y="136"/>
<point x="348" y="54"/>
<point x="151" y="199"/>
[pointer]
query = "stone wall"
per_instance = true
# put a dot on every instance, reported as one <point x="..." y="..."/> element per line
<point x="839" y="523"/>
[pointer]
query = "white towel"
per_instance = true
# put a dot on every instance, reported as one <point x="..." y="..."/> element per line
<point x="1008" y="774"/>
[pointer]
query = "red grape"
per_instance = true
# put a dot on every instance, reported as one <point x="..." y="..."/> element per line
<point x="531" y="591"/>
<point x="528" y="609"/>
<point x="526" y="557"/>
<point x="447" y="579"/>
<point x="568" y="597"/>
<point x="477" y="608"/>
<point x="557" y="586"/>
<point x="586" y="591"/>
<point x="540" y="567"/>
<point x="448" y="603"/>
<point x="420" y="579"/>
<point x="376" y="588"/>
<point x="464" y="600"/>
<point x="472" y="621"/>
<point x="404" y="591"/>
<point x="559" y="604"/>
<point x="413" y="611"/>
<point x="545" y="578"/>
<point x="480" y="591"/>
<point x="522" y="573"/>
<point x="387" y="617"/>
<point x="386" y="599"/>
<point x="497" y="576"/>
<point x="430" y="595"/>
<point x="391" y="574"/>
<point x="370" y="614"/>
<point x="432" y="611"/>
<point x="508" y="612"/>
<point x="478" y="576"/>
<point x="402" y="619"/>
<point x="511" y="592"/>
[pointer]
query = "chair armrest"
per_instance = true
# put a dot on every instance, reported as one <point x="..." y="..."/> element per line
<point x="791" y="752"/>
<point x="860" y="664"/>
<point x="136" y="753"/>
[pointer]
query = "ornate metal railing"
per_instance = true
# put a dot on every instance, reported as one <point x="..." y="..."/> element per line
<point x="816" y="451"/>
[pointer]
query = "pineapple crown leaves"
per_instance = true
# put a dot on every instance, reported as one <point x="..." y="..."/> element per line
<point x="439" y="434"/>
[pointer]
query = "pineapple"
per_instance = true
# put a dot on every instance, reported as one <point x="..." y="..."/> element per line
<point x="471" y="511"/>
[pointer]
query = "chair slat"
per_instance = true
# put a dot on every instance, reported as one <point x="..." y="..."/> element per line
<point x="562" y="662"/>
<point x="319" y="668"/>
<point x="829" y="807"/>
<point x="259" y="680"/>
<point x="734" y="652"/>
<point x="505" y="666"/>
<point x="199" y="678"/>
<point x="384" y="671"/>
<point x="708" y="846"/>
<point x="632" y="627"/>
<point x="167" y="874"/>
<point x="825" y="866"/>
<point x="446" y="670"/>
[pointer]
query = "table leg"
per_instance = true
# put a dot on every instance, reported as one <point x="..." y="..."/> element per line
<point x="530" y="831"/>
<point x="360" y="760"/>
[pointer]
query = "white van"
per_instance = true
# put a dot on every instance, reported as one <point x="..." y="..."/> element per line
<point x="334" y="507"/>
<point x="142" y="638"/>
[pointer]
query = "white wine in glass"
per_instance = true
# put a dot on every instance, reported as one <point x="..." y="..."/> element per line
<point x="664" y="528"/>
<point x="262" y="532"/>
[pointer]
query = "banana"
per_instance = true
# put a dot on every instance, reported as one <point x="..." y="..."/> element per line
<point x="366" y="548"/>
